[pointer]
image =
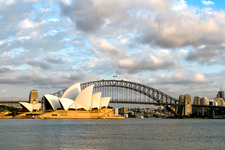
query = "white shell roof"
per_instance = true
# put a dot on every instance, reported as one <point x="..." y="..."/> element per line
<point x="72" y="91"/>
<point x="65" y="103"/>
<point x="96" y="100"/>
<point x="53" y="101"/>
<point x="72" y="106"/>
<point x="85" y="97"/>
<point x="36" y="106"/>
<point x="78" y="106"/>
<point x="105" y="101"/>
<point x="28" y="106"/>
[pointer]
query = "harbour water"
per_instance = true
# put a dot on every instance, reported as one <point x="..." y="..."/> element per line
<point x="112" y="134"/>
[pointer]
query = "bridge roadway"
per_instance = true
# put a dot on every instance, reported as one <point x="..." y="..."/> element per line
<point x="144" y="103"/>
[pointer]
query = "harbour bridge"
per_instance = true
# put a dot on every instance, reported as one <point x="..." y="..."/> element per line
<point x="122" y="91"/>
<point x="129" y="92"/>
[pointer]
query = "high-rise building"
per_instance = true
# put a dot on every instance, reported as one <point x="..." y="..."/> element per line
<point x="220" y="94"/>
<point x="197" y="100"/>
<point x="204" y="101"/>
<point x="123" y="110"/>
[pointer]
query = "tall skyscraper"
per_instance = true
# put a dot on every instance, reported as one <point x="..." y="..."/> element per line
<point x="220" y="94"/>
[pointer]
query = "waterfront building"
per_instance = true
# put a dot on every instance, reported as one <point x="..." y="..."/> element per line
<point x="77" y="104"/>
<point x="75" y="99"/>
<point x="204" y="101"/>
<point x="123" y="110"/>
<point x="116" y="111"/>
<point x="74" y="104"/>
<point x="211" y="102"/>
<point x="219" y="101"/>
<point x="160" y="107"/>
<point x="197" y="100"/>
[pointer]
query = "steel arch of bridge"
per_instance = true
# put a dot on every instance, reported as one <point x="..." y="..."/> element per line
<point x="159" y="97"/>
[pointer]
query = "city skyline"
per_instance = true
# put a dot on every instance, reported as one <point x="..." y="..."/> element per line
<point x="175" y="46"/>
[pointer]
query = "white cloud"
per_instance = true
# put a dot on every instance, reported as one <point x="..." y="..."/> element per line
<point x="183" y="77"/>
<point x="6" y="54"/>
<point x="207" y="2"/>
<point x="179" y="5"/>
<point x="106" y="47"/>
<point x="53" y="20"/>
<point x="66" y="1"/>
<point x="68" y="60"/>
<point x="179" y="75"/>
<point x="27" y="23"/>
<point x="201" y="46"/>
<point x="15" y="68"/>
<point x="24" y="38"/>
<point x="144" y="60"/>
<point x="9" y="2"/>
<point x="1" y="42"/>
<point x="199" y="77"/>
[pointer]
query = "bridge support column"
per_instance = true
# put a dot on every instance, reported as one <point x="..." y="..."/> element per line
<point x="202" y="112"/>
<point x="181" y="105"/>
<point x="185" y="105"/>
<point x="197" y="112"/>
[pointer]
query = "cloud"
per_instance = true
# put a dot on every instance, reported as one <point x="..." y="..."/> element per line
<point x="182" y="77"/>
<point x="37" y="63"/>
<point x="30" y="1"/>
<point x="53" y="20"/>
<point x="207" y="55"/>
<point x="22" y="39"/>
<point x="9" y="69"/>
<point x="145" y="60"/>
<point x="4" y="70"/>
<point x="208" y="2"/>
<point x="53" y="60"/>
<point x="160" y="43"/>
<point x="199" y="77"/>
<point x="24" y="24"/>
<point x="162" y="23"/>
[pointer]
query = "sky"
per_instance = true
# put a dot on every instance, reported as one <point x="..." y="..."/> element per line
<point x="175" y="46"/>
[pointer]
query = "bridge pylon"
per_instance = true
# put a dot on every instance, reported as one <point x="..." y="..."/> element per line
<point x="185" y="106"/>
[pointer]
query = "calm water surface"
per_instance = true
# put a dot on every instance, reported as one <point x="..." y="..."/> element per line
<point x="112" y="134"/>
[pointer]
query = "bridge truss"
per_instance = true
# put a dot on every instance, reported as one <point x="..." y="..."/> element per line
<point x="122" y="91"/>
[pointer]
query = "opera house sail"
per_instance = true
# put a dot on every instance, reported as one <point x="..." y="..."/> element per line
<point x="75" y="99"/>
<point x="33" y="104"/>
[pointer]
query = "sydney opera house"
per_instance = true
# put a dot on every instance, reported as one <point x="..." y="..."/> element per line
<point x="74" y="104"/>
